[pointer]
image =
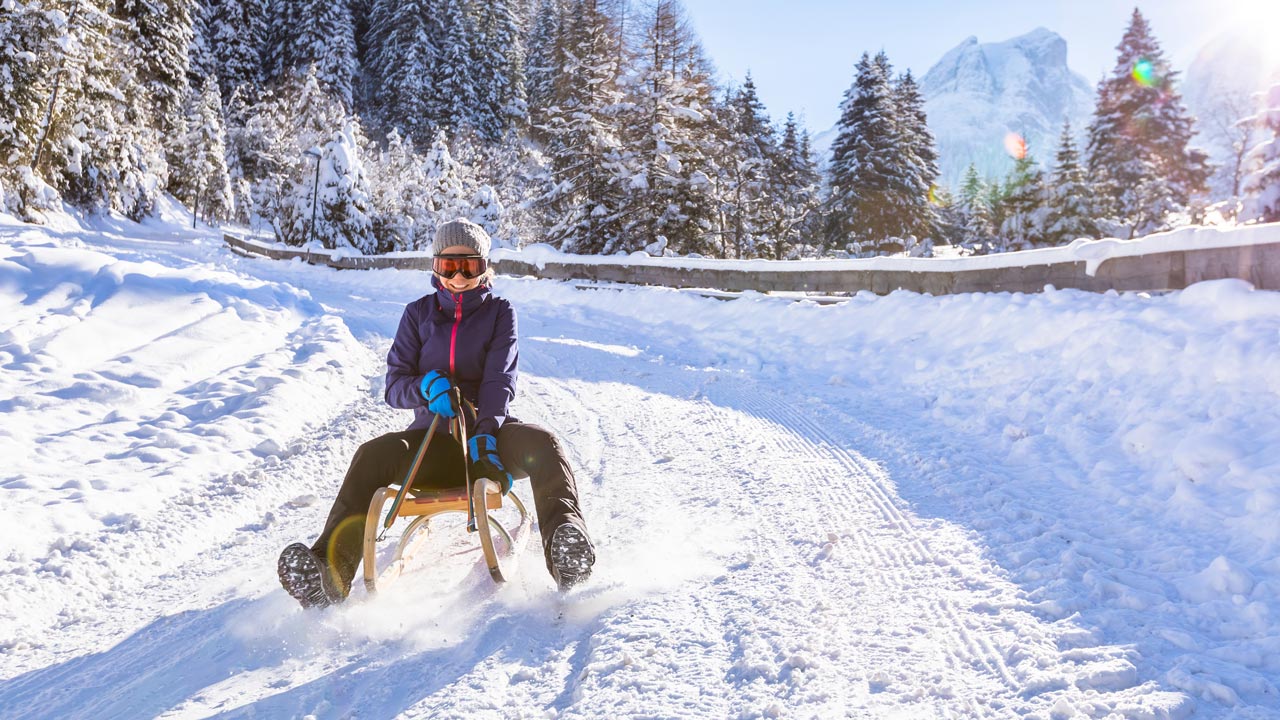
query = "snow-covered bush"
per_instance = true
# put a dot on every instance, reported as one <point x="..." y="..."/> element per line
<point x="1262" y="183"/>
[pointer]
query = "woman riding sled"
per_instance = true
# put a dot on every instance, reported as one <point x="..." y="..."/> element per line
<point x="460" y="336"/>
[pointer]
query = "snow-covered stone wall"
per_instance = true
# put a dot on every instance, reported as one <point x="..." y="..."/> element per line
<point x="1164" y="261"/>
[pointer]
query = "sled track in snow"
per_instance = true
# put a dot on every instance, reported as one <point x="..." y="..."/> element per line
<point x="842" y="601"/>
<point x="242" y="504"/>
<point x="802" y="586"/>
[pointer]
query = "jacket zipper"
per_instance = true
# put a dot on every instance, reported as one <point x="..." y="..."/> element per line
<point x="453" y="342"/>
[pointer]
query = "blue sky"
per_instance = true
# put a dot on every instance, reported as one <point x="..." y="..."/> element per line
<point x="801" y="53"/>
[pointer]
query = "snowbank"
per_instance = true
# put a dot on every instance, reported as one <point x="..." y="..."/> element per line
<point x="132" y="380"/>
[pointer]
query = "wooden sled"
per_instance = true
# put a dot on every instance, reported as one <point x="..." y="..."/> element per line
<point x="423" y="506"/>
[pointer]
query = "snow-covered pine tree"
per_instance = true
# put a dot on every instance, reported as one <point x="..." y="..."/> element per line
<point x="1070" y="215"/>
<point x="444" y="187"/>
<point x="326" y="39"/>
<point x="397" y="190"/>
<point x="205" y="161"/>
<point x="29" y="61"/>
<point x="978" y="228"/>
<point x="487" y="212"/>
<point x="867" y="198"/>
<point x="1262" y="183"/>
<point x="1023" y="226"/>
<point x="1142" y="169"/>
<point x="498" y="59"/>
<point x="919" y="159"/>
<point x="540" y="61"/>
<point x="299" y="118"/>
<point x="401" y="62"/>
<point x="261" y="153"/>
<point x="996" y="201"/>
<point x="952" y="217"/>
<point x="279" y="57"/>
<point x="750" y="174"/>
<point x="239" y="31"/>
<point x="159" y="35"/>
<point x="664" y="126"/>
<point x="455" y="94"/>
<point x="361" y="13"/>
<point x="201" y="60"/>
<point x="586" y="203"/>
<point x="343" y="220"/>
<point x="796" y="178"/>
<point x="92" y="142"/>
<point x="517" y="172"/>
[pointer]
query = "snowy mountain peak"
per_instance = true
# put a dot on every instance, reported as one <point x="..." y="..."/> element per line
<point x="979" y="92"/>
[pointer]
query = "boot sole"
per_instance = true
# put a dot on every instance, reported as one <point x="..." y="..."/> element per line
<point x="303" y="576"/>
<point x="571" y="557"/>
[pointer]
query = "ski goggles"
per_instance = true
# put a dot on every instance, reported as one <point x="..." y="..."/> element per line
<point x="471" y="266"/>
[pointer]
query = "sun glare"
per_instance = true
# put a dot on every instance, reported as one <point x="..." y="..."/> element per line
<point x="1255" y="22"/>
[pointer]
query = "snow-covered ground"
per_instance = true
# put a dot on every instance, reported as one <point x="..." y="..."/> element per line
<point x="1008" y="506"/>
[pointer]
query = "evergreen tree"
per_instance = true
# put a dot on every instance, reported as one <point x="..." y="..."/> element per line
<point x="540" y="62"/>
<point x="397" y="186"/>
<point x="91" y="140"/>
<point x="585" y="204"/>
<point x="238" y="30"/>
<point x="979" y="226"/>
<point x="1262" y="182"/>
<point x="498" y="59"/>
<point x="918" y="158"/>
<point x="29" y="63"/>
<point x="796" y="179"/>
<point x="445" y="186"/>
<point x="205" y="163"/>
<point x="1069" y="216"/>
<point x="361" y="15"/>
<point x="872" y="199"/>
<point x="403" y="51"/>
<point x="953" y="219"/>
<point x="456" y="96"/>
<point x="280" y="54"/>
<point x="1023" y="225"/>
<point x="344" y="194"/>
<point x="487" y="211"/>
<point x="752" y="213"/>
<point x="1139" y="160"/>
<point x="664" y="126"/>
<point x="289" y="128"/>
<point x="201" y="60"/>
<point x="996" y="202"/>
<point x="326" y="39"/>
<point x="159" y="35"/>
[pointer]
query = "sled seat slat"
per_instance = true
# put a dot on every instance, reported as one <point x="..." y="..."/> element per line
<point x="430" y="503"/>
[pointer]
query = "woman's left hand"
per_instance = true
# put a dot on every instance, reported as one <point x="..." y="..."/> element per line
<point x="484" y="457"/>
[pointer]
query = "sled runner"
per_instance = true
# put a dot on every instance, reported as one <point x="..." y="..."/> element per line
<point x="476" y="498"/>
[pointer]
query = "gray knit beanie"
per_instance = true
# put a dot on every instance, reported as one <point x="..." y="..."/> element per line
<point x="461" y="232"/>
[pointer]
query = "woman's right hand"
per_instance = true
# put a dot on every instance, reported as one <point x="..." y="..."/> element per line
<point x="437" y="390"/>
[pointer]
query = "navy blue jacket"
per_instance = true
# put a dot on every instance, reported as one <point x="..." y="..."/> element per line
<point x="472" y="337"/>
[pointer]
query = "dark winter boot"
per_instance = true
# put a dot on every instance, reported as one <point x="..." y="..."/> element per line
<point x="571" y="556"/>
<point x="306" y="578"/>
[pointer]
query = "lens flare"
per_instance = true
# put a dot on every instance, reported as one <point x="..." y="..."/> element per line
<point x="1015" y="145"/>
<point x="1144" y="73"/>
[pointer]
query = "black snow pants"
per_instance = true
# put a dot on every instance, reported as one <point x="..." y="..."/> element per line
<point x="524" y="449"/>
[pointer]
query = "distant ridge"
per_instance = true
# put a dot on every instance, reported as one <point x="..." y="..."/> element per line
<point x="979" y="92"/>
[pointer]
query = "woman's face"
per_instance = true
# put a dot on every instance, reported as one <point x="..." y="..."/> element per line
<point x="458" y="283"/>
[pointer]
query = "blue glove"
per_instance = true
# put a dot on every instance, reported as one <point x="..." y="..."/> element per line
<point x="484" y="456"/>
<point x="437" y="391"/>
